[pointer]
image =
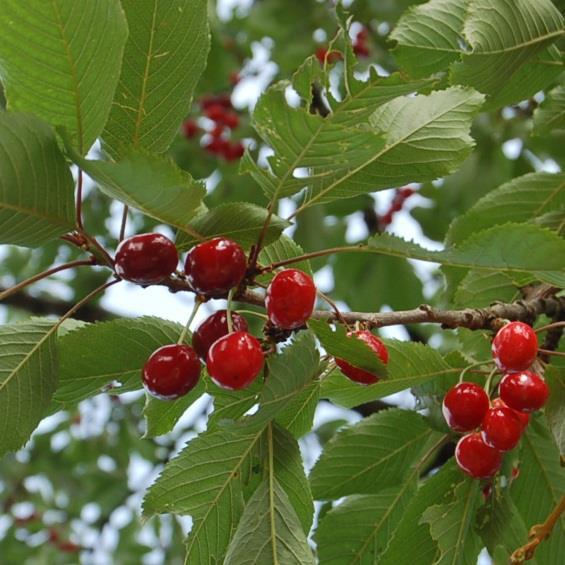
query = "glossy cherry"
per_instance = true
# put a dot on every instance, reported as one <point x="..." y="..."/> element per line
<point x="476" y="458"/>
<point x="235" y="360"/>
<point x="171" y="371"/>
<point x="524" y="391"/>
<point x="213" y="328"/>
<point x="290" y="299"/>
<point x="146" y="258"/>
<point x="522" y="416"/>
<point x="515" y="347"/>
<point x="215" y="266"/>
<point x="501" y="428"/>
<point x="355" y="373"/>
<point x="464" y="406"/>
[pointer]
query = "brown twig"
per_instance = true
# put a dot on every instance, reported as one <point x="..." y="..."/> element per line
<point x="124" y="223"/>
<point x="537" y="534"/>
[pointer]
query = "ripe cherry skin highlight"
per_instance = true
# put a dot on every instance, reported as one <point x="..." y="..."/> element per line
<point x="146" y="258"/>
<point x="171" y="371"/>
<point x="524" y="391"/>
<point x="476" y="458"/>
<point x="290" y="299"/>
<point x="235" y="360"/>
<point x="355" y="373"/>
<point x="464" y="406"/>
<point x="215" y="266"/>
<point x="213" y="328"/>
<point x="501" y="428"/>
<point x="515" y="347"/>
<point x="522" y="416"/>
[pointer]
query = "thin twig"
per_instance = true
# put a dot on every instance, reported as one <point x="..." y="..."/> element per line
<point x="124" y="222"/>
<point x="45" y="274"/>
<point x="79" y="202"/>
<point x="549" y="352"/>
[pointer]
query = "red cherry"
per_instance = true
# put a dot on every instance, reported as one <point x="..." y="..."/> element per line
<point x="355" y="373"/>
<point x="360" y="49"/>
<point x="171" y="371"/>
<point x="217" y="130"/>
<point x="213" y="328"/>
<point x="234" y="151"/>
<point x="515" y="347"/>
<point x="231" y="120"/>
<point x="146" y="258"/>
<point x="217" y="145"/>
<point x="290" y="299"/>
<point x="321" y="53"/>
<point x="235" y="360"/>
<point x="501" y="428"/>
<point x="524" y="391"/>
<point x="464" y="406"/>
<point x="190" y="129"/>
<point x="386" y="219"/>
<point x="522" y="416"/>
<point x="406" y="192"/>
<point x="215" y="112"/>
<point x="362" y="35"/>
<point x="215" y="266"/>
<point x="234" y="78"/>
<point x="476" y="458"/>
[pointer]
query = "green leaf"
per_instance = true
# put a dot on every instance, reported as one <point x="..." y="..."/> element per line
<point x="371" y="455"/>
<point x="126" y="343"/>
<point x="501" y="248"/>
<point x="36" y="186"/>
<point x="231" y="404"/>
<point x="549" y="116"/>
<point x="357" y="352"/>
<point x="421" y="548"/>
<point x="399" y="145"/>
<point x="152" y="184"/>
<point x="555" y="407"/>
<point x="269" y="531"/>
<point x="479" y="289"/>
<point x="205" y="481"/>
<point x="410" y="364"/>
<point x="239" y="221"/>
<point x="523" y="199"/>
<point x="540" y="487"/>
<point x="164" y="57"/>
<point x="28" y="377"/>
<point x="452" y="525"/>
<point x="357" y="530"/>
<point x="428" y="36"/>
<point x="162" y="415"/>
<point x="298" y="414"/>
<point x="61" y="61"/>
<point x="502" y="35"/>
<point x="284" y="248"/>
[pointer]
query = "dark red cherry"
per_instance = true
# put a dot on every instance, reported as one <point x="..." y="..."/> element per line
<point x="215" y="112"/>
<point x="171" y="371"/>
<point x="464" y="406"/>
<point x="190" y="129"/>
<point x="235" y="360"/>
<point x="476" y="458"/>
<point x="501" y="428"/>
<point x="524" y="391"/>
<point x="515" y="347"/>
<point x="231" y="120"/>
<point x="355" y="373"/>
<point x="290" y="299"/>
<point x="215" y="266"/>
<point x="522" y="416"/>
<point x="146" y="258"/>
<point x="234" y="151"/>
<point x="213" y="328"/>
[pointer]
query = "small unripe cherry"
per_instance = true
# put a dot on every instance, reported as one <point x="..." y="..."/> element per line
<point x="476" y="458"/>
<point x="524" y="391"/>
<point x="290" y="299"/>
<point x="213" y="328"/>
<point x="214" y="267"/>
<point x="146" y="258"/>
<point x="171" y="371"/>
<point x="464" y="406"/>
<point x="235" y="360"/>
<point x="501" y="428"/>
<point x="515" y="346"/>
<point x="355" y="373"/>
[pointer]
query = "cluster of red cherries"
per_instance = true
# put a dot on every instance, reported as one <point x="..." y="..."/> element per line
<point x="233" y="357"/>
<point x="400" y="197"/>
<point x="496" y="427"/>
<point x="225" y="120"/>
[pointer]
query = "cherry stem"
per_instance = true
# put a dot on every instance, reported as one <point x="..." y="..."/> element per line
<point x="124" y="222"/>
<point x="489" y="380"/>
<point x="537" y="534"/>
<point x="551" y="326"/>
<point x="78" y="212"/>
<point x="252" y="313"/>
<point x="229" y="308"/>
<point x="45" y="274"/>
<point x="195" y="308"/>
<point x="333" y="305"/>
<point x="473" y="365"/>
<point x="549" y="352"/>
